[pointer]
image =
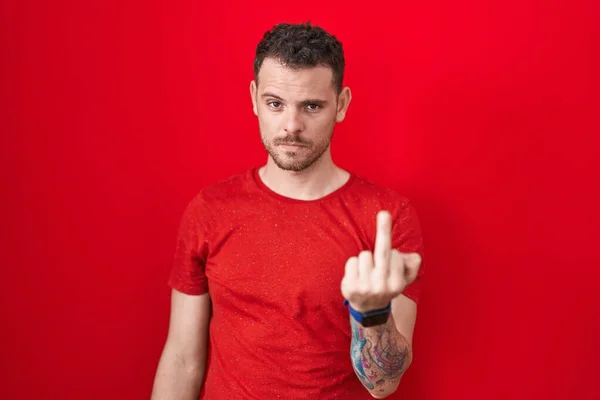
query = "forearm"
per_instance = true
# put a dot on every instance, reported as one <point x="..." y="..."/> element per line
<point x="380" y="355"/>
<point x="177" y="380"/>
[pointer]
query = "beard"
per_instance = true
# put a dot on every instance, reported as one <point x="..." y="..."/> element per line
<point x="296" y="160"/>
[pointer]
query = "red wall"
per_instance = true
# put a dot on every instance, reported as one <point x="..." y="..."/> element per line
<point x="484" y="113"/>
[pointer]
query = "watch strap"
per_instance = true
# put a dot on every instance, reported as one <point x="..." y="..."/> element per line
<point x="370" y="318"/>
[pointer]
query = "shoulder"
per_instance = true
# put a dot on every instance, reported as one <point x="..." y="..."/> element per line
<point x="225" y="188"/>
<point x="221" y="193"/>
<point x="378" y="196"/>
<point x="367" y="198"/>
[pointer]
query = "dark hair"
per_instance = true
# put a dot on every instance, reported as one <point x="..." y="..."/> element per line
<point x="301" y="46"/>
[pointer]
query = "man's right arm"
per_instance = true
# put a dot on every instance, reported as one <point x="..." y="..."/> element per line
<point x="181" y="368"/>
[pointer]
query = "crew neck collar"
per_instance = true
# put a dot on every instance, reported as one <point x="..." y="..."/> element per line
<point x="262" y="186"/>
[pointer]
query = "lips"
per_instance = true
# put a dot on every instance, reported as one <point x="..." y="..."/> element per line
<point x="292" y="144"/>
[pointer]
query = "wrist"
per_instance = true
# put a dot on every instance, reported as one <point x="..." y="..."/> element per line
<point x="372" y="317"/>
<point x="367" y="306"/>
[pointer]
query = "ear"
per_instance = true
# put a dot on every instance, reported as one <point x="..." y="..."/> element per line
<point x="253" y="93"/>
<point x="344" y="99"/>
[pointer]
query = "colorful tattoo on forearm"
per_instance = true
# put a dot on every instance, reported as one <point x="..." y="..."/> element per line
<point x="377" y="354"/>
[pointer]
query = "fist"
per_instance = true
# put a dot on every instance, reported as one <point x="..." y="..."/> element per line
<point x="372" y="280"/>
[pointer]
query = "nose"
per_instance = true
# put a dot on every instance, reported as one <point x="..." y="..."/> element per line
<point x="293" y="122"/>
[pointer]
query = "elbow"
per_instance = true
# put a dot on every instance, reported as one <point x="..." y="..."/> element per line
<point x="389" y="388"/>
<point x="384" y="393"/>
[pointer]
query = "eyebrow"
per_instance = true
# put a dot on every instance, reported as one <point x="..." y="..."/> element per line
<point x="303" y="102"/>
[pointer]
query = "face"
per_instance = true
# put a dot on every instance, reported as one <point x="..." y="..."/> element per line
<point x="297" y="110"/>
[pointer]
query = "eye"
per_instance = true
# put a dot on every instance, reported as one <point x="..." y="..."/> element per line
<point x="274" y="104"/>
<point x="313" y="107"/>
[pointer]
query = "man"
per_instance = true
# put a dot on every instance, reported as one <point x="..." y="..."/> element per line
<point x="293" y="267"/>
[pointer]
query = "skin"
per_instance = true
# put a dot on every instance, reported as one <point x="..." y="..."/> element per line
<point x="381" y="354"/>
<point x="180" y="371"/>
<point x="299" y="107"/>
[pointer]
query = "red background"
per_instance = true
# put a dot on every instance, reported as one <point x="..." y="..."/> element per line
<point x="484" y="113"/>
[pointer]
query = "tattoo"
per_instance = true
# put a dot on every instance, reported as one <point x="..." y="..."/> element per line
<point x="378" y="354"/>
<point x="358" y="344"/>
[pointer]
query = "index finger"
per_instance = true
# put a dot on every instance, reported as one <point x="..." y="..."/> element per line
<point x="383" y="239"/>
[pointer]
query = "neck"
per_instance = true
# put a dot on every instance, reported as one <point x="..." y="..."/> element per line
<point x="320" y="179"/>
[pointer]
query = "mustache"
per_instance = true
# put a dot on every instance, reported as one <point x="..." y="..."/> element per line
<point x="291" y="140"/>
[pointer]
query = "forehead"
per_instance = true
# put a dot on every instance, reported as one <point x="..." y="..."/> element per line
<point x="295" y="82"/>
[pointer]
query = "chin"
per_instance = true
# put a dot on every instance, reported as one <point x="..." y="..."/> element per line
<point x="292" y="165"/>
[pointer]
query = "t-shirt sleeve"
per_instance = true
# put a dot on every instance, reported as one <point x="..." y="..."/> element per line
<point x="187" y="273"/>
<point x="406" y="238"/>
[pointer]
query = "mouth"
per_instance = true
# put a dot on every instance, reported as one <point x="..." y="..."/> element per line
<point x="292" y="148"/>
<point x="291" y="145"/>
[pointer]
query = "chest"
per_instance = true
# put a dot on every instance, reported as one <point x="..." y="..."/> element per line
<point x="275" y="257"/>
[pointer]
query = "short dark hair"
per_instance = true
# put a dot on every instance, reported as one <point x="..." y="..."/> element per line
<point x="301" y="46"/>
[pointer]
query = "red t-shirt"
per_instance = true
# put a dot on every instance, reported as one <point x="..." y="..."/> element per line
<point x="273" y="268"/>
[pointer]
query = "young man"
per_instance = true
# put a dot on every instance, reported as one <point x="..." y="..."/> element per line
<point x="307" y="276"/>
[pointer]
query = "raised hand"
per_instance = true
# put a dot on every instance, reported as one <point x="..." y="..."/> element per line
<point x="372" y="279"/>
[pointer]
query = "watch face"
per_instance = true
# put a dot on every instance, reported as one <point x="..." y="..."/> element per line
<point x="375" y="320"/>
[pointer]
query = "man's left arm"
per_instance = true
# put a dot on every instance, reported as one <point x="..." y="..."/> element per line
<point x="381" y="353"/>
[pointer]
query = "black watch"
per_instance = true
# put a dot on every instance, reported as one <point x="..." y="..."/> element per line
<point x="370" y="318"/>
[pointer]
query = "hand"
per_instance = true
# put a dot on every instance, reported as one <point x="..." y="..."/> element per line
<point x="372" y="280"/>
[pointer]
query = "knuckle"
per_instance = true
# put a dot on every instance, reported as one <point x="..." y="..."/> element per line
<point x="346" y="282"/>
<point x="413" y="259"/>
<point x="379" y="287"/>
<point x="418" y="259"/>
<point x="411" y="270"/>
<point x="346" y="289"/>
<point x="363" y="288"/>
<point x="416" y="269"/>
<point x="377" y="278"/>
<point x="395" y="287"/>
<point x="352" y="262"/>
<point x="395" y="284"/>
<point x="365" y="254"/>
